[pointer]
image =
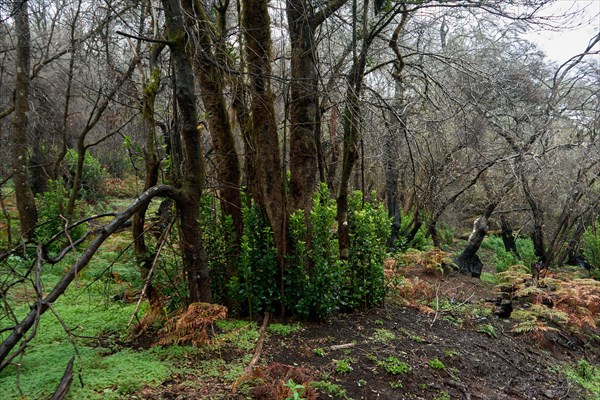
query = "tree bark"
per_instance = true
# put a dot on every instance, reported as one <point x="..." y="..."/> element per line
<point x="210" y="77"/>
<point x="187" y="197"/>
<point x="468" y="261"/>
<point x="152" y="163"/>
<point x="24" y="195"/>
<point x="256" y="24"/>
<point x="538" y="222"/>
<point x="396" y="126"/>
<point x="351" y="123"/>
<point x="507" y="236"/>
<point x="303" y="105"/>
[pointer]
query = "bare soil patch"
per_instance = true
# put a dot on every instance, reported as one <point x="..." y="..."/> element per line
<point x="365" y="354"/>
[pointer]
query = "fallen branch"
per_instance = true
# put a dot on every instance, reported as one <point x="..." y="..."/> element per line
<point x="65" y="383"/>
<point x="342" y="346"/>
<point x="259" y="344"/>
<point x="42" y="306"/>
<point x="257" y="352"/>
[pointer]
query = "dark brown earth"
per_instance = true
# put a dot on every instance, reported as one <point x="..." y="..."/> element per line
<point x="493" y="363"/>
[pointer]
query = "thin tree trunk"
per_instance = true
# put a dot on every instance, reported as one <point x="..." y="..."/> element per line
<point x="152" y="164"/>
<point x="507" y="236"/>
<point x="188" y="194"/>
<point x="538" y="222"/>
<point x="24" y="196"/>
<point x="351" y="123"/>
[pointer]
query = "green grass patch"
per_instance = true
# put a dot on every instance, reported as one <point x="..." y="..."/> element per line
<point x="394" y="366"/>
<point x="587" y="376"/>
<point x="284" y="329"/>
<point x="383" y="335"/>
<point x="329" y="388"/>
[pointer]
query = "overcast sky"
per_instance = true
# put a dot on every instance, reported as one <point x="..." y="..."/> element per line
<point x="581" y="19"/>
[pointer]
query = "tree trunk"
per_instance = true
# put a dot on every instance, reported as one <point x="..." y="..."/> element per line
<point x="210" y="77"/>
<point x="152" y="163"/>
<point x="257" y="36"/>
<point x="396" y="126"/>
<point x="538" y="222"/>
<point x="189" y="191"/>
<point x="468" y="261"/>
<point x="507" y="236"/>
<point x="303" y="105"/>
<point x="351" y="123"/>
<point x="390" y="160"/>
<point x="24" y="196"/>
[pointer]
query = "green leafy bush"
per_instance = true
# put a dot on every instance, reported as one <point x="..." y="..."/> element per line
<point x="314" y="275"/>
<point x="317" y="282"/>
<point x="219" y="245"/>
<point x="503" y="259"/>
<point x="421" y="241"/>
<point x="93" y="175"/>
<point x="255" y="287"/>
<point x="591" y="249"/>
<point x="369" y="230"/>
<point x="51" y="210"/>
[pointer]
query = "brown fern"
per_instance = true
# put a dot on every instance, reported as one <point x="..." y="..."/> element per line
<point x="432" y="261"/>
<point x="414" y="292"/>
<point x="272" y="381"/>
<point x="191" y="326"/>
<point x="552" y="299"/>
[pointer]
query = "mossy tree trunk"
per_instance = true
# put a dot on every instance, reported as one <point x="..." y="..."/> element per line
<point x="24" y="195"/>
<point x="270" y="178"/>
<point x="208" y="65"/>
<point x="189" y="190"/>
<point x="152" y="165"/>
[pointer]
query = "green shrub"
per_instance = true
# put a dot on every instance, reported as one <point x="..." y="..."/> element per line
<point x="587" y="376"/>
<point x="421" y="241"/>
<point x="314" y="275"/>
<point x="255" y="287"/>
<point x="52" y="206"/>
<point x="219" y="245"/>
<point x="526" y="251"/>
<point x="446" y="234"/>
<point x="369" y="229"/>
<point x="591" y="249"/>
<point x="92" y="178"/>
<point x="503" y="259"/>
<point x="317" y="282"/>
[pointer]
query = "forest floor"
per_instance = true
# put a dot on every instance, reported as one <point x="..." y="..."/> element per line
<point x="455" y="348"/>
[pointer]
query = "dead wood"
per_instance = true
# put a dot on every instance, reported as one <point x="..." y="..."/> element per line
<point x="65" y="383"/>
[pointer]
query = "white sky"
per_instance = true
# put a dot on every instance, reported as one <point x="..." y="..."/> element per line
<point x="581" y="21"/>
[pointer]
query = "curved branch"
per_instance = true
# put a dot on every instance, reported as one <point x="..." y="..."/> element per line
<point x="42" y="306"/>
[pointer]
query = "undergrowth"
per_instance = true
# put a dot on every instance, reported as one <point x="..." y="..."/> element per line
<point x="587" y="376"/>
<point x="504" y="259"/>
<point x="551" y="301"/>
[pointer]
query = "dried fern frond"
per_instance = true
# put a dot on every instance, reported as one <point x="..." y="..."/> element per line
<point x="190" y="327"/>
<point x="531" y="326"/>
<point x="431" y="261"/>
<point x="415" y="289"/>
<point x="549" y="313"/>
